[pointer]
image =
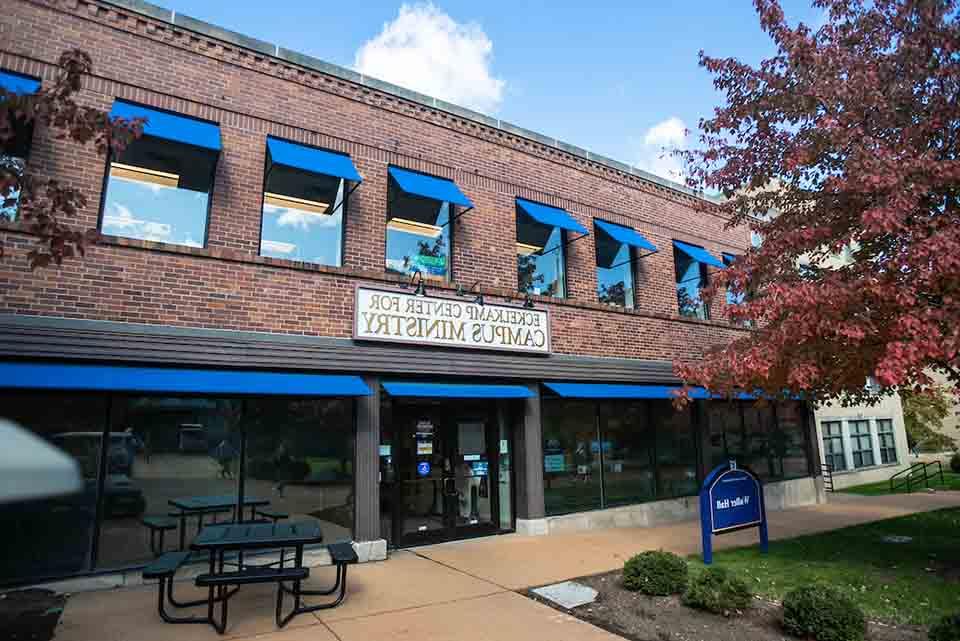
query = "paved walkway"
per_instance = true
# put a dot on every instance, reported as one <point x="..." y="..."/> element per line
<point x="465" y="591"/>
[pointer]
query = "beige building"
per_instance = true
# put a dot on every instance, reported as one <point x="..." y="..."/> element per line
<point x="950" y="426"/>
<point x="863" y="444"/>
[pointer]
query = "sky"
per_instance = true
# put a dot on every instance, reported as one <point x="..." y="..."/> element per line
<point x="617" y="78"/>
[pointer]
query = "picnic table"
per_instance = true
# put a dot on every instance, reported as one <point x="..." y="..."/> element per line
<point x="200" y="506"/>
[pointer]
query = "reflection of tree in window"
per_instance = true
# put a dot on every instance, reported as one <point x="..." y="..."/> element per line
<point x="615" y="294"/>
<point x="10" y="206"/>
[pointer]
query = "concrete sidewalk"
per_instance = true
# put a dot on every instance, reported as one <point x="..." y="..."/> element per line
<point x="463" y="591"/>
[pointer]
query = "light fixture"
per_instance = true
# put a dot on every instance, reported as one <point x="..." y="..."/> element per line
<point x="524" y="249"/>
<point x="528" y="301"/>
<point x="142" y="175"/>
<point x="478" y="300"/>
<point x="415" y="227"/>
<point x="289" y="202"/>
<point x="421" y="289"/>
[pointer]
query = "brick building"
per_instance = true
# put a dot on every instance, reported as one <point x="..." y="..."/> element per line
<point x="360" y="304"/>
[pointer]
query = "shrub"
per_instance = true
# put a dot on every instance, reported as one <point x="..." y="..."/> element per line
<point x="946" y="629"/>
<point x="717" y="590"/>
<point x="822" y="613"/>
<point x="658" y="573"/>
<point x="955" y="462"/>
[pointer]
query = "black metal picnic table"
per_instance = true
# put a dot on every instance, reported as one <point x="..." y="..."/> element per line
<point x="217" y="540"/>
<point x="199" y="506"/>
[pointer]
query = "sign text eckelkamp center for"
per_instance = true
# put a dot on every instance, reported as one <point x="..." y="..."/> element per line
<point x="404" y="318"/>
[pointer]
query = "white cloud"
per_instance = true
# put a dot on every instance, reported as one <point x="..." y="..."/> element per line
<point x="300" y="219"/>
<point x="278" y="247"/>
<point x="659" y="140"/>
<point x="426" y="50"/>
<point x="121" y="218"/>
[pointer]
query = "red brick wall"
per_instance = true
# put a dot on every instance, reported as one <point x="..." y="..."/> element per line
<point x="228" y="286"/>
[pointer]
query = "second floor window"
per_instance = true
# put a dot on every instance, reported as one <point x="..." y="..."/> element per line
<point x="690" y="265"/>
<point x="541" y="247"/>
<point x="159" y="187"/>
<point x="304" y="201"/>
<point x="13" y="156"/>
<point x="420" y="214"/>
<point x="617" y="247"/>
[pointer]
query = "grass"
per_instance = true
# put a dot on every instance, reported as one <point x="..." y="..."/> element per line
<point x="915" y="582"/>
<point x="951" y="481"/>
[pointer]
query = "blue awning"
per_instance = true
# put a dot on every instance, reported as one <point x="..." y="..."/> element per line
<point x="699" y="254"/>
<point x="118" y="378"/>
<point x="19" y="84"/>
<point x="604" y="390"/>
<point x="162" y="124"/>
<point x="429" y="186"/>
<point x="626" y="235"/>
<point x="455" y="390"/>
<point x="550" y="216"/>
<point x="318" y="161"/>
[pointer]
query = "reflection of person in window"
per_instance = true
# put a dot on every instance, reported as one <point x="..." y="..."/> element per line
<point x="281" y="462"/>
<point x="582" y="459"/>
<point x="465" y="482"/>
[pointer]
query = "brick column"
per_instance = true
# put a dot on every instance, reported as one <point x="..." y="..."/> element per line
<point x="366" y="466"/>
<point x="529" y="464"/>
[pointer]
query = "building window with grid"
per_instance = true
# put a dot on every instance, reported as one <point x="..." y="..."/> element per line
<point x="888" y="443"/>
<point x="861" y="444"/>
<point x="833" y="445"/>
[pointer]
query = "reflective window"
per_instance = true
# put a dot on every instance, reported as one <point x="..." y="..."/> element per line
<point x="54" y="536"/>
<point x="676" y="450"/>
<point x="888" y="443"/>
<point x="571" y="456"/>
<point x="10" y="205"/>
<point x="303" y="216"/>
<point x="13" y="159"/>
<point x="159" y="190"/>
<point x="628" y="456"/>
<point x="418" y="234"/>
<point x="540" y="258"/>
<point x="614" y="270"/>
<point x="833" y="445"/>
<point x="861" y="444"/>
<point x="758" y="425"/>
<point x="725" y="432"/>
<point x="788" y="443"/>
<point x="691" y="277"/>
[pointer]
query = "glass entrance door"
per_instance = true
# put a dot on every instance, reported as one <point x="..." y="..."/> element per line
<point x="448" y="468"/>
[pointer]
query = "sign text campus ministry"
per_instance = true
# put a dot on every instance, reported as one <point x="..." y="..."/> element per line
<point x="396" y="316"/>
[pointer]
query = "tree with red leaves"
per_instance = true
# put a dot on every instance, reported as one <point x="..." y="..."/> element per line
<point x="39" y="206"/>
<point x="841" y="152"/>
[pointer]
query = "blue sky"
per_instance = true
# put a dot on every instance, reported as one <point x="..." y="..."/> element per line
<point x="618" y="78"/>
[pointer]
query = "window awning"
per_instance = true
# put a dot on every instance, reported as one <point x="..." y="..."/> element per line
<point x="429" y="186"/>
<point x="118" y="378"/>
<point x="318" y="161"/>
<point x="162" y="124"/>
<point x="699" y="254"/>
<point x="550" y="216"/>
<point x="605" y="390"/>
<point x="454" y="390"/>
<point x="626" y="235"/>
<point x="19" y="84"/>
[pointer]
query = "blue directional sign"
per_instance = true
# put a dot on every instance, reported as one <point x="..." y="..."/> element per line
<point x="423" y="468"/>
<point x="731" y="499"/>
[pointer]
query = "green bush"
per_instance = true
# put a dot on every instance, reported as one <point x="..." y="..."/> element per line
<point x="657" y="573"/>
<point x="717" y="590"/>
<point x="946" y="629"/>
<point x="822" y="613"/>
<point x="955" y="462"/>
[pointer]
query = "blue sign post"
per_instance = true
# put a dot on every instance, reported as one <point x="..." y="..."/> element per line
<point x="731" y="499"/>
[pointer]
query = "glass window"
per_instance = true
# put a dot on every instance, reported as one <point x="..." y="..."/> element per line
<point x="418" y="234"/>
<point x="303" y="216"/>
<point x="614" y="270"/>
<point x="888" y="443"/>
<point x="691" y="277"/>
<point x="627" y="449"/>
<point x="10" y="205"/>
<point x="788" y="442"/>
<point x="540" y="258"/>
<point x="676" y="450"/>
<point x="165" y="449"/>
<point x="861" y="444"/>
<point x="571" y="456"/>
<point x="725" y="432"/>
<point x="53" y="537"/>
<point x="758" y="455"/>
<point x="833" y="445"/>
<point x="13" y="160"/>
<point x="159" y="190"/>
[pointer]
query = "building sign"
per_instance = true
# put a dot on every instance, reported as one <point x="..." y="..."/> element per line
<point x="404" y="318"/>
<point x="731" y="499"/>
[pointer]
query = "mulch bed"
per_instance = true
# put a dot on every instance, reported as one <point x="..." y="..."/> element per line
<point x="639" y="617"/>
<point x="30" y="614"/>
